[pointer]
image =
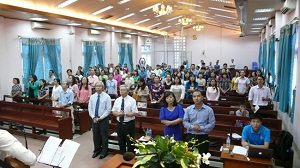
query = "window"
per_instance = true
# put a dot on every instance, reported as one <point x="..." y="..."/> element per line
<point x="146" y="53"/>
<point x="179" y="50"/>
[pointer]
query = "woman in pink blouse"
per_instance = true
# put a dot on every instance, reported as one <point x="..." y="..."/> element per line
<point x="85" y="91"/>
<point x="117" y="77"/>
<point x="73" y="86"/>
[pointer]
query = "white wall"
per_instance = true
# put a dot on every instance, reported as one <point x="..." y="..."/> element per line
<point x="218" y="44"/>
<point x="71" y="47"/>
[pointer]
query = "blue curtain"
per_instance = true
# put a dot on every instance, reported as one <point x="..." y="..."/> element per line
<point x="53" y="55"/>
<point x="88" y="51"/>
<point x="285" y="67"/>
<point x="100" y="50"/>
<point x="260" y="55"/>
<point x="271" y="58"/>
<point x="264" y="63"/>
<point x="32" y="54"/>
<point x="129" y="49"/>
<point x="122" y="53"/>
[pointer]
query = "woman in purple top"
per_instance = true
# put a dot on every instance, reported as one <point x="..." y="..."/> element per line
<point x="171" y="115"/>
<point x="157" y="90"/>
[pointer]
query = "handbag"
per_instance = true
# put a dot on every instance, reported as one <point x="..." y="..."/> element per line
<point x="136" y="97"/>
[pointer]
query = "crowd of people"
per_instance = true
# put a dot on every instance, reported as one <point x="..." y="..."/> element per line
<point x="163" y="84"/>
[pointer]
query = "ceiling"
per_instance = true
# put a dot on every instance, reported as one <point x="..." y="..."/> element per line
<point x="222" y="13"/>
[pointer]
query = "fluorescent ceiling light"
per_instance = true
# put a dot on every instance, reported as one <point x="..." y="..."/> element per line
<point x="145" y="35"/>
<point x="255" y="31"/>
<point x="223" y="1"/>
<point x="174" y="18"/>
<point x="211" y="21"/>
<point x="257" y="24"/>
<point x="133" y="33"/>
<point x="264" y="10"/>
<point x="102" y="10"/>
<point x="230" y="25"/>
<point x="150" y="7"/>
<point x="99" y="28"/>
<point x="154" y="25"/>
<point x="66" y="3"/>
<point x="177" y="23"/>
<point x="223" y="10"/>
<point x="190" y="4"/>
<point x="74" y="24"/>
<point x="198" y="11"/>
<point x="228" y="17"/>
<point x="123" y="1"/>
<point x="164" y="28"/>
<point x="38" y="19"/>
<point x="124" y="17"/>
<point x="141" y="21"/>
<point x="261" y="18"/>
<point x="255" y="28"/>
<point x="205" y="17"/>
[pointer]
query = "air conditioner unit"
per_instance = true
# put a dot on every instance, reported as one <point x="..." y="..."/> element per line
<point x="125" y="36"/>
<point x="94" y="32"/>
<point x="288" y="6"/>
<point x="271" y="23"/>
<point x="37" y="25"/>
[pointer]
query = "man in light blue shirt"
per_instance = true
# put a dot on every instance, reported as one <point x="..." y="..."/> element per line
<point x="99" y="110"/>
<point x="199" y="120"/>
<point x="255" y="135"/>
<point x="66" y="99"/>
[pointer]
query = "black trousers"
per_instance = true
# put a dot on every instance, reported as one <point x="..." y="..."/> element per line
<point x="100" y="136"/>
<point x="124" y="129"/>
<point x="203" y="148"/>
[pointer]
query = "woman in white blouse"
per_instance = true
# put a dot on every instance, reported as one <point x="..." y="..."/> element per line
<point x="178" y="89"/>
<point x="213" y="92"/>
<point x="56" y="92"/>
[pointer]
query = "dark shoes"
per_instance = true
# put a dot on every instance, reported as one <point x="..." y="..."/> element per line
<point x="102" y="156"/>
<point x="95" y="154"/>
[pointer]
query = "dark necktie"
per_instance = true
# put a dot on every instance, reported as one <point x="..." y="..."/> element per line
<point x="122" y="109"/>
<point x="97" y="107"/>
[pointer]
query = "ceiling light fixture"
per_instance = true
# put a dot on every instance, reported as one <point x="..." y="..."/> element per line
<point x="174" y="18"/>
<point x="123" y="1"/>
<point x="261" y="18"/>
<point x="163" y="10"/>
<point x="74" y="24"/>
<point x="193" y="10"/>
<point x="102" y="10"/>
<point x="38" y="19"/>
<point x="124" y="17"/>
<point x="141" y="21"/>
<point x="223" y="1"/>
<point x="154" y="25"/>
<point x="264" y="10"/>
<point x="223" y="10"/>
<point x="228" y="17"/>
<point x="198" y="27"/>
<point x="185" y="21"/>
<point x="164" y="28"/>
<point x="190" y="4"/>
<point x="257" y="24"/>
<point x="149" y="7"/>
<point x="66" y="3"/>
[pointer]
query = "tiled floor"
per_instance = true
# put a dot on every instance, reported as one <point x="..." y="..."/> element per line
<point x="83" y="157"/>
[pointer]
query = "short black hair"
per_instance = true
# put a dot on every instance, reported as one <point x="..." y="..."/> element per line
<point x="167" y="94"/>
<point x="256" y="116"/>
<point x="17" y="79"/>
<point x="69" y="70"/>
<point x="51" y="71"/>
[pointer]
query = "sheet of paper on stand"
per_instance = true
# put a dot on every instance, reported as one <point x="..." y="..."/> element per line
<point x="239" y="150"/>
<point x="256" y="108"/>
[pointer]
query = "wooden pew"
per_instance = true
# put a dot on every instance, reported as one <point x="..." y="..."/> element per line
<point x="81" y="116"/>
<point x="36" y="116"/>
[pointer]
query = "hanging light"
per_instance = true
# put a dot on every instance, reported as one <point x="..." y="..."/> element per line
<point x="163" y="10"/>
<point x="198" y="27"/>
<point x="185" y="21"/>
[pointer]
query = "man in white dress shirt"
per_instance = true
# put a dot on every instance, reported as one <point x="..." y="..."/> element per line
<point x="125" y="109"/>
<point x="259" y="95"/>
<point x="242" y="84"/>
<point x="99" y="110"/>
<point x="10" y="145"/>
